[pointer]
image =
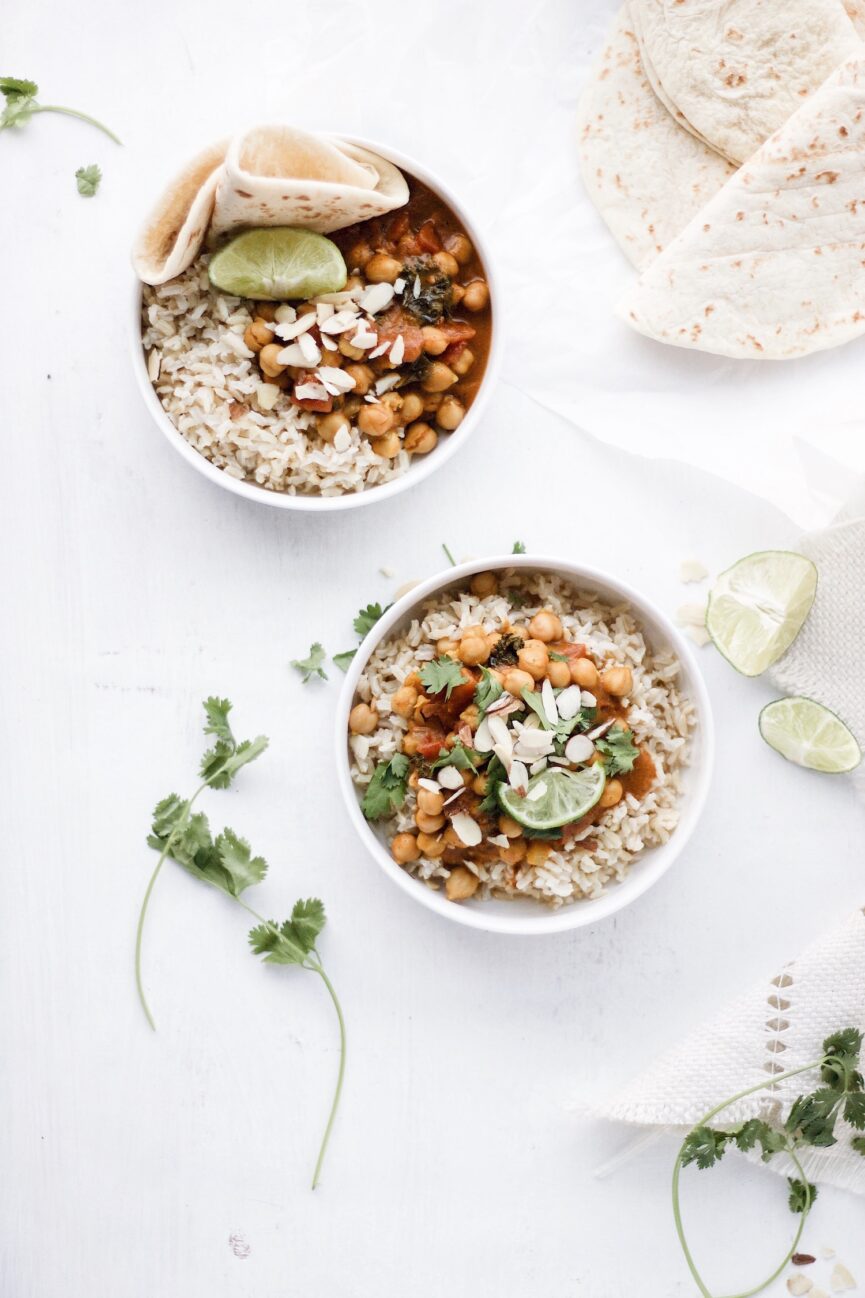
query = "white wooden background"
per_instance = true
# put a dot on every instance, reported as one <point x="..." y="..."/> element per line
<point x="177" y="1164"/>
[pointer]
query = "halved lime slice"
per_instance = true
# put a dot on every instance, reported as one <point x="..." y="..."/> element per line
<point x="757" y="607"/>
<point x="566" y="796"/>
<point x="278" y="264"/>
<point x="810" y="735"/>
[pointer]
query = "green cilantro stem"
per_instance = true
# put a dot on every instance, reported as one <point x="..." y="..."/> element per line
<point x="340" y="1073"/>
<point x="677" y="1212"/>
<point x="142" y="915"/>
<point x="451" y="560"/>
<point x="73" y="112"/>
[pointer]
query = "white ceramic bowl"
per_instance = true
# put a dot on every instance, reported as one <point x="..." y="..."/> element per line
<point x="422" y="465"/>
<point x="526" y="916"/>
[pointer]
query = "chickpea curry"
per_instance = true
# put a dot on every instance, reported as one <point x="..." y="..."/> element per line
<point x="515" y="743"/>
<point x="400" y="352"/>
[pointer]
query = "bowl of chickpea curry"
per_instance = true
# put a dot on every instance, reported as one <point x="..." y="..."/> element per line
<point x="525" y="746"/>
<point x="336" y="398"/>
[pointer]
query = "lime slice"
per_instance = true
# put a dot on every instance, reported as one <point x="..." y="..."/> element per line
<point x="278" y="264"/>
<point x="810" y="735"/>
<point x="567" y="795"/>
<point x="757" y="607"/>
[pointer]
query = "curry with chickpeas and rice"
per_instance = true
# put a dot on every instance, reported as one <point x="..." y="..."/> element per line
<point x="521" y="739"/>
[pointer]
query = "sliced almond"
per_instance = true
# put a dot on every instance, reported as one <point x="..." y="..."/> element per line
<point x="294" y="328"/>
<point x="588" y="699"/>
<point x="429" y="785"/>
<point x="518" y="777"/>
<point x="569" y="702"/>
<point x="800" y="1283"/>
<point x="467" y="829"/>
<point x="841" y="1279"/>
<point x="376" y="297"/>
<point x="483" y="741"/>
<point x="267" y="395"/>
<point x="450" y="778"/>
<point x="548" y="699"/>
<point x="579" y="748"/>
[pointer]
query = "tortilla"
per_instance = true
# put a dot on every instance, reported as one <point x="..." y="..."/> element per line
<point x="645" y="174"/>
<point x="856" y="14"/>
<point x="737" y="69"/>
<point x="773" y="267"/>
<point x="272" y="175"/>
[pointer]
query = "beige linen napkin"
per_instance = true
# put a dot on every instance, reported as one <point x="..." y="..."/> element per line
<point x="777" y="1026"/>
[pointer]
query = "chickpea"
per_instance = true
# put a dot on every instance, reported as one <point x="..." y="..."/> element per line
<point x="617" y="681"/>
<point x="362" y="720"/>
<point x="349" y="350"/>
<point x="438" y="377"/>
<point x="359" y="255"/>
<point x="474" y="648"/>
<point x="460" y="247"/>
<point x="431" y="846"/>
<point x="450" y="414"/>
<point x="471" y="716"/>
<point x="329" y="425"/>
<point x="429" y="824"/>
<point x="411" y="408"/>
<point x="432" y="401"/>
<point x="375" y="420"/>
<point x="537" y="852"/>
<point x="363" y="377"/>
<point x="457" y="294"/>
<point x="516" y="681"/>
<point x="393" y="400"/>
<point x="612" y="793"/>
<point x="448" y="263"/>
<point x="484" y="583"/>
<point x="404" y="849"/>
<point x="382" y="269"/>
<point x="584" y="673"/>
<point x="559" y="675"/>
<point x="477" y="295"/>
<point x="480" y="785"/>
<point x="257" y="335"/>
<point x="546" y="626"/>
<point x="413" y="779"/>
<point x="509" y="827"/>
<point x="461" y="884"/>
<point x="388" y="446"/>
<point x="515" y="853"/>
<point x="434" y="340"/>
<point x="534" y="659"/>
<point x="430" y="803"/>
<point x="447" y="646"/>
<point x="402" y="701"/>
<point x="268" y="362"/>
<point x="420" y="439"/>
<point x="265" y="311"/>
<point x="414" y="680"/>
<point x="463" y="363"/>
<point x="410" y="744"/>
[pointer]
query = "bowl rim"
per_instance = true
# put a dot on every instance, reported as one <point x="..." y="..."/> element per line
<point x="651" y="866"/>
<point x="421" y="467"/>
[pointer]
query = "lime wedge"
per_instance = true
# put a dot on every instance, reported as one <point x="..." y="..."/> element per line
<point x="757" y="607"/>
<point x="566" y="796"/>
<point x="810" y="735"/>
<point x="278" y="264"/>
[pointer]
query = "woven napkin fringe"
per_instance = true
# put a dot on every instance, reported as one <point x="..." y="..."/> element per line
<point x="779" y="1025"/>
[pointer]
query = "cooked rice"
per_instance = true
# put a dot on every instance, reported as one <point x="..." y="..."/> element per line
<point x="660" y="717"/>
<point x="200" y="366"/>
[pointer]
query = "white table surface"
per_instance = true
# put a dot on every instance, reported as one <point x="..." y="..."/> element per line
<point x="177" y="1164"/>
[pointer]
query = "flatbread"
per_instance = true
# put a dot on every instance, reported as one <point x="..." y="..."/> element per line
<point x="645" y="174"/>
<point x="737" y="69"/>
<point x="856" y="14"/>
<point x="272" y="175"/>
<point x="773" y="267"/>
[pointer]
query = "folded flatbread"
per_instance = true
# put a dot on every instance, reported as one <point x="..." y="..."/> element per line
<point x="272" y="175"/>
<point x="737" y="69"/>
<point x="645" y="174"/>
<point x="774" y="265"/>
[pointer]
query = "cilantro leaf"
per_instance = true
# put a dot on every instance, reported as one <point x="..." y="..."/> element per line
<point x="495" y="775"/>
<point x="704" y="1147"/>
<point x="756" y="1132"/>
<point x="802" y="1194"/>
<point x="87" y="179"/>
<point x="342" y="660"/>
<point x="242" y="869"/>
<point x="386" y="791"/>
<point x="16" y="88"/>
<point x="442" y="675"/>
<point x="519" y="548"/>
<point x="216" y="711"/>
<point x="220" y="764"/>
<point x="292" y="941"/>
<point x="854" y="1110"/>
<point x="367" y="617"/>
<point x="812" y="1118"/>
<point x="457" y="756"/>
<point x="308" y="919"/>
<point x="619" y="751"/>
<point x="21" y="104"/>
<point x="487" y="691"/>
<point x="313" y="664"/>
<point x="841" y="1059"/>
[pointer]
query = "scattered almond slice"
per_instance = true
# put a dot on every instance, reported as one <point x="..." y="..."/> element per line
<point x="466" y="829"/>
<point x="841" y="1279"/>
<point x="499" y="840"/>
<point x="800" y="1283"/>
<point x="698" y="634"/>
<point x="430" y="785"/>
<point x="579" y="749"/>
<point x="294" y="328"/>
<point x="342" y="440"/>
<point x="691" y="570"/>
<point x="548" y="699"/>
<point x="518" y="777"/>
<point x="569" y="702"/>
<point x="267" y="395"/>
<point x="450" y="778"/>
<point x="376" y="298"/>
<point x="691" y="614"/>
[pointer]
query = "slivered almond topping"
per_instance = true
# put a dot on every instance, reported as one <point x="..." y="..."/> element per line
<point x="378" y="351"/>
<point x="334" y="379"/>
<point x="600" y="730"/>
<point x="341" y="322"/>
<point x="518" y="778"/>
<point x="397" y="351"/>
<point x="429" y="785"/>
<point x="579" y="749"/>
<point x="376" y="298"/>
<point x="450" y="778"/>
<point x="311" y="392"/>
<point x="548" y="699"/>
<point x="499" y="840"/>
<point x="294" y="328"/>
<point x="569" y="702"/>
<point x="467" y="829"/>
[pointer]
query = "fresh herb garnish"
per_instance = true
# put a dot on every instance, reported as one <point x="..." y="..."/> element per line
<point x="442" y="674"/>
<point x="87" y="179"/>
<point x="496" y="774"/>
<point x="810" y="1123"/>
<point x="342" y="660"/>
<point x="618" y="750"/>
<point x="487" y="691"/>
<point x="367" y="618"/>
<point x="563" y="728"/>
<point x="21" y="105"/>
<point x="458" y="756"/>
<point x="313" y="664"/>
<point x="451" y="560"/>
<point x="505" y="652"/>
<point x="386" y="791"/>
<point x="519" y="548"/>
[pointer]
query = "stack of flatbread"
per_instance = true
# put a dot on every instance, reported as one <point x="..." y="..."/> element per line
<point x="723" y="142"/>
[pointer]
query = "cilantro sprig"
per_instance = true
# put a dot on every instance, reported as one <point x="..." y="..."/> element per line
<point x="386" y="791"/>
<point x="227" y="863"/>
<point x="363" y="624"/>
<point x="618" y="750"/>
<point x="810" y="1123"/>
<point x="88" y="180"/>
<point x="313" y="664"/>
<point x="21" y="105"/>
<point x="442" y="675"/>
